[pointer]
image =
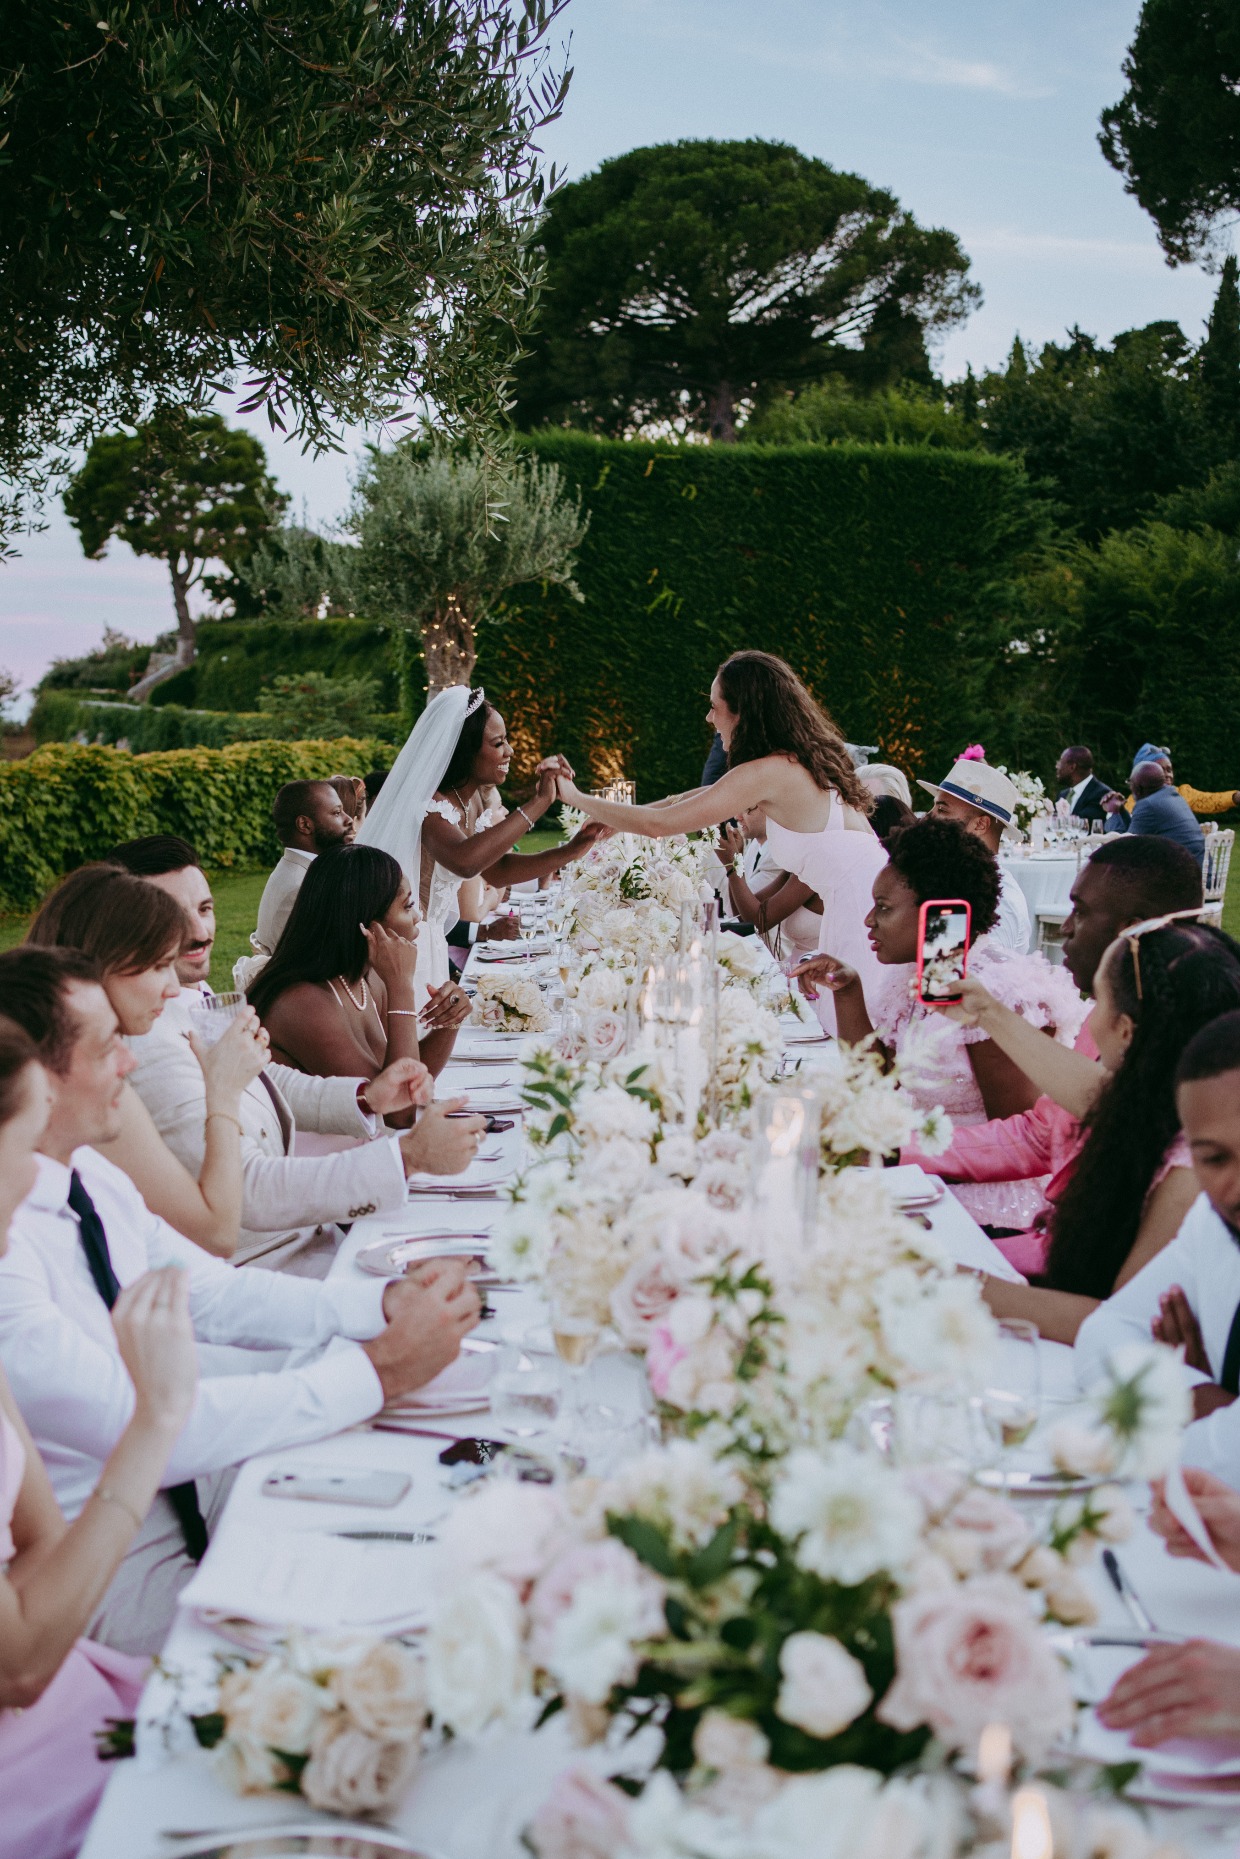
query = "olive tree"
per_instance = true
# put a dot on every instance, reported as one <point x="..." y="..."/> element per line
<point x="442" y="535"/>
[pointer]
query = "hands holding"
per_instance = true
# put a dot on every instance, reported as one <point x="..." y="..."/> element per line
<point x="156" y="1343"/>
<point x="971" y="1009"/>
<point x="405" y="1084"/>
<point x="731" y="842"/>
<point x="1113" y="802"/>
<point x="443" y="1142"/>
<point x="1177" y="1326"/>
<point x="234" y="1061"/>
<point x="428" y="1312"/>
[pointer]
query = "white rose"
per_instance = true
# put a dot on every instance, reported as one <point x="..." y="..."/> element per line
<point x="593" y="1642"/>
<point x="473" y="1655"/>
<point x="681" y="1485"/>
<point x="282" y="1709"/>
<point x="1082" y="1452"/>
<point x="506" y="1528"/>
<point x="722" y="1742"/>
<point x="384" y="1692"/>
<point x="824" y="1688"/>
<point x="603" y="1031"/>
<point x="247" y="1766"/>
<point x="352" y="1773"/>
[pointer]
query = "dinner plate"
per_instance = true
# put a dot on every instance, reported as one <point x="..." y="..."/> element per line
<point x="277" y="1842"/>
<point x="392" y="1258"/>
<point x="425" y="1409"/>
<point x="1029" y="1484"/>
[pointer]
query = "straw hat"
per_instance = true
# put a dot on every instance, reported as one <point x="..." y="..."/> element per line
<point x="982" y="786"/>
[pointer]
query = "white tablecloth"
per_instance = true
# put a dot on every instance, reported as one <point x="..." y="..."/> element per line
<point x="471" y="1802"/>
<point x="1046" y="882"/>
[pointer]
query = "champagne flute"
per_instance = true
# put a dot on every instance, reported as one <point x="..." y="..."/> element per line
<point x="1012" y="1402"/>
<point x="575" y="1339"/>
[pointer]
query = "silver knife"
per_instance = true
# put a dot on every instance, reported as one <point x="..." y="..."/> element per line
<point x="1126" y="1592"/>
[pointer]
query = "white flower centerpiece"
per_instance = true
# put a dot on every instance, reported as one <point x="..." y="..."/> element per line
<point x="510" y="1004"/>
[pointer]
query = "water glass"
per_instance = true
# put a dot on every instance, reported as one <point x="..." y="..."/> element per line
<point x="211" y="1015"/>
<point x="1012" y="1401"/>
<point x="526" y="1387"/>
<point x="942" y="1427"/>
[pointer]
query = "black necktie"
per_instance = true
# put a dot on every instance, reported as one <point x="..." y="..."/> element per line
<point x="183" y="1498"/>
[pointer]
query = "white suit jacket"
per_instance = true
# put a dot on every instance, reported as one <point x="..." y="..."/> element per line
<point x="280" y="894"/>
<point x="286" y="1196"/>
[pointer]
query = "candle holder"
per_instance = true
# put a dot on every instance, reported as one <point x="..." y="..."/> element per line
<point x="783" y="1186"/>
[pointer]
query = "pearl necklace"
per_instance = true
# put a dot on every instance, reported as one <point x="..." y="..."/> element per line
<point x="361" y="1005"/>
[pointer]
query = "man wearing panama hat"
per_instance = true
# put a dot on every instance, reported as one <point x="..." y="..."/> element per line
<point x="983" y="800"/>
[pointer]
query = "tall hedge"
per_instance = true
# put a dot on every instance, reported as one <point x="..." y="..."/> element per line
<point x="65" y="804"/>
<point x="237" y="657"/>
<point x="886" y="575"/>
<point x="63" y="716"/>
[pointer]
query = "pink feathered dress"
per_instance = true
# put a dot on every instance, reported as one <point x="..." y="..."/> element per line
<point x="933" y="1054"/>
<point x="51" y="1777"/>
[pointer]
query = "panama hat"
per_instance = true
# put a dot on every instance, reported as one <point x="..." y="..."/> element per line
<point x="981" y="786"/>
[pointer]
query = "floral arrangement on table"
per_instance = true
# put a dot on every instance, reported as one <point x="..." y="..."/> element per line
<point x="1032" y="800"/>
<point x="833" y="1613"/>
<point x="865" y="1114"/>
<point x="510" y="1004"/>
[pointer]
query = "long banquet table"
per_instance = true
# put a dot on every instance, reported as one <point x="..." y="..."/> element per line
<point x="470" y="1802"/>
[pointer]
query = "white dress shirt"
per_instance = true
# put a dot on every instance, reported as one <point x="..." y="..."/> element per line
<point x="1204" y="1260"/>
<point x="1074" y="794"/>
<point x="285" y="1196"/>
<point x="58" y="1347"/>
<point x="279" y="895"/>
<point x="1013" y="926"/>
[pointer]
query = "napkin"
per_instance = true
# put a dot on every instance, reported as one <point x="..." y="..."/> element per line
<point x="301" y="1578"/>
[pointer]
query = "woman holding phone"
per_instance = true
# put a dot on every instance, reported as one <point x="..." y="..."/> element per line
<point x="58" y="1691"/>
<point x="785" y="756"/>
<point x="961" y="1070"/>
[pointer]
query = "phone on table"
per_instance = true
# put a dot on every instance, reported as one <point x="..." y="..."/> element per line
<point x="944" y="931"/>
<point x="324" y="1484"/>
<point x="470" y="1459"/>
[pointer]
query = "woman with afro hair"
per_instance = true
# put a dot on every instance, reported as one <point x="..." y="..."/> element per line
<point x="957" y="1068"/>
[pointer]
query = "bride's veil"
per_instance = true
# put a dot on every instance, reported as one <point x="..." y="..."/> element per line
<point x="394" y="823"/>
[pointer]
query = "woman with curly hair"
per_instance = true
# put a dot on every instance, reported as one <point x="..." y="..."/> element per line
<point x="1132" y="1184"/>
<point x="959" y="1069"/>
<point x="785" y="756"/>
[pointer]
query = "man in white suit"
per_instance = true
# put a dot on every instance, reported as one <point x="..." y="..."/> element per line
<point x="291" y="1201"/>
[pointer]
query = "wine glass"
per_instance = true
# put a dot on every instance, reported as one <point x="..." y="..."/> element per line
<point x="529" y="915"/>
<point x="1012" y="1401"/>
<point x="576" y="1339"/>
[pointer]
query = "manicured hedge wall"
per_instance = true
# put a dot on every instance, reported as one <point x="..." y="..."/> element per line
<point x="65" y="804"/>
<point x="886" y="575"/>
<point x="60" y="716"/>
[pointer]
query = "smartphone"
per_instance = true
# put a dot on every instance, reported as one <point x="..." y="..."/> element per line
<point x="324" y="1484"/>
<point x="944" y="928"/>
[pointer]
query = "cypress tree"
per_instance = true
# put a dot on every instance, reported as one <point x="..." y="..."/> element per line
<point x="1218" y="361"/>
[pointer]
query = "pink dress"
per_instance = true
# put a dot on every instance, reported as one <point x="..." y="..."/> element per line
<point x="50" y="1775"/>
<point x="932" y="1052"/>
<point x="840" y="865"/>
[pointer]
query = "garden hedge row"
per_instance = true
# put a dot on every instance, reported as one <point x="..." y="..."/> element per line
<point x="61" y="716"/>
<point x="65" y="804"/>
<point x="887" y="575"/>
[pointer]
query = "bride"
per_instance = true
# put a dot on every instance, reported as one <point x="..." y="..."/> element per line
<point x="439" y="814"/>
<point x="786" y="757"/>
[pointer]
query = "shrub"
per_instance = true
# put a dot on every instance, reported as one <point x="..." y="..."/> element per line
<point x="66" y="804"/>
<point x="308" y="703"/>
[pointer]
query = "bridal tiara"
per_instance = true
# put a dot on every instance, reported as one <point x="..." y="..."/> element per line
<point x="476" y="700"/>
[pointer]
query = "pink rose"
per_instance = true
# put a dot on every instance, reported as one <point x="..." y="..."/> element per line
<point x="973" y="1654"/>
<point x="554" y="1592"/>
<point x="642" y="1298"/>
<point x="583" y="1817"/>
<point x="663" y="1354"/>
<point x="604" y="1034"/>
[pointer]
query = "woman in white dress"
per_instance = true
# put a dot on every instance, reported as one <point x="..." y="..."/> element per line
<point x="786" y="756"/>
<point x="440" y="815"/>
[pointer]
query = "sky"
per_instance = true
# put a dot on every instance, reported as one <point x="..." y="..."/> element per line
<point x="980" y="115"/>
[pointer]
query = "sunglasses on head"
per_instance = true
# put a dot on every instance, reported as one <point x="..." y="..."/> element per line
<point x="1133" y="936"/>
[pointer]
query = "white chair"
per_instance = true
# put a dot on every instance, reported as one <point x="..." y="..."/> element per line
<point x="1050" y="933"/>
<point x="1214" y="873"/>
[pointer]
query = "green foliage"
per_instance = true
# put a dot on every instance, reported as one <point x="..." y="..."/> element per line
<point x="1108" y="430"/>
<point x="113" y="666"/>
<point x="293" y="573"/>
<point x="188" y="490"/>
<point x="888" y="576"/>
<point x="60" y="716"/>
<point x="333" y="195"/>
<point x="1218" y="361"/>
<point x="834" y="412"/>
<point x="1148" y="631"/>
<point x="307" y="703"/>
<point x="442" y="536"/>
<point x="236" y="658"/>
<point x="66" y="804"/>
<point x="685" y="278"/>
<point x="1175" y="133"/>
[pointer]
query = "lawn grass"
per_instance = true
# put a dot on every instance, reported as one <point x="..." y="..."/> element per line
<point x="236" y="896"/>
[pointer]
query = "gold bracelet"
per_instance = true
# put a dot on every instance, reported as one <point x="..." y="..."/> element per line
<point x="227" y="1118"/>
<point x="107" y="1496"/>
